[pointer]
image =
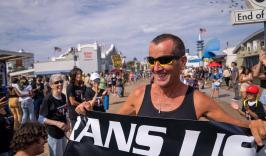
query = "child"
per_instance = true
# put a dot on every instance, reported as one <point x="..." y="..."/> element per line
<point x="252" y="108"/>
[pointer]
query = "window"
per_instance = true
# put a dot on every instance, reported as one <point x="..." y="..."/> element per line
<point x="249" y="62"/>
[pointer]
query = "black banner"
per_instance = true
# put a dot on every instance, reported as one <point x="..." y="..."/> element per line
<point x="106" y="134"/>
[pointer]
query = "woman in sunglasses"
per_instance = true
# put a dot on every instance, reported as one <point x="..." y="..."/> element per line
<point x="168" y="97"/>
<point x="53" y="114"/>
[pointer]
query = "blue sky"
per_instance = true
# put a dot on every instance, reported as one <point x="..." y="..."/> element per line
<point x="39" y="25"/>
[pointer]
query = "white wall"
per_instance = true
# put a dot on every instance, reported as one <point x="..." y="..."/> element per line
<point x="230" y="56"/>
<point x="249" y="46"/>
<point x="88" y="59"/>
<point x="255" y="45"/>
<point x="52" y="66"/>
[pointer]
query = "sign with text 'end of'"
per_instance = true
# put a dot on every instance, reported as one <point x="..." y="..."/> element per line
<point x="248" y="16"/>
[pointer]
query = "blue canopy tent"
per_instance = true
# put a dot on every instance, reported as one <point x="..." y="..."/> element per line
<point x="208" y="55"/>
<point x="210" y="48"/>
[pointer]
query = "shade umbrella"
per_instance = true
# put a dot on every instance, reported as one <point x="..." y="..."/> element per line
<point x="214" y="64"/>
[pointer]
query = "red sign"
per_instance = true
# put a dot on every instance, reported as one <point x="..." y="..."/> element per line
<point x="87" y="55"/>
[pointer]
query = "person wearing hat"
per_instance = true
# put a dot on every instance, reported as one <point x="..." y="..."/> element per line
<point x="252" y="108"/>
<point x="94" y="95"/>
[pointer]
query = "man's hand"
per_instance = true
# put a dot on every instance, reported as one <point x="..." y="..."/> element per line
<point x="258" y="130"/>
<point x="81" y="108"/>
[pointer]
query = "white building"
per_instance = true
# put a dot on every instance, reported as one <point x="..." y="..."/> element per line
<point x="89" y="58"/>
<point x="190" y="60"/>
<point x="230" y="56"/>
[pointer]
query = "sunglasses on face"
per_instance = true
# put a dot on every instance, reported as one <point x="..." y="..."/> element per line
<point x="163" y="60"/>
<point x="59" y="81"/>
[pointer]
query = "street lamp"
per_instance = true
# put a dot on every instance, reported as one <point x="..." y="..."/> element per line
<point x="74" y="51"/>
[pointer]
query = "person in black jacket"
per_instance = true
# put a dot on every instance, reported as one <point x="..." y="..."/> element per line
<point x="6" y="129"/>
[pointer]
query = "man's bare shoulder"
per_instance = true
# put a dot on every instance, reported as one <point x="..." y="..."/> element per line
<point x="199" y="96"/>
<point x="138" y="91"/>
<point x="133" y="102"/>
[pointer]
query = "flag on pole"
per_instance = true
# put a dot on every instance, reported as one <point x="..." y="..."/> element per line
<point x="57" y="49"/>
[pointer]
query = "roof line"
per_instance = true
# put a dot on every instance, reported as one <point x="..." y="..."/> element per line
<point x="247" y="38"/>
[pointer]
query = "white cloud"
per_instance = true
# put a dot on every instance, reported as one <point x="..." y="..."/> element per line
<point x="39" y="25"/>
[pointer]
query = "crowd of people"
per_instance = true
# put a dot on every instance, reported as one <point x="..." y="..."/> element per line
<point x="52" y="101"/>
<point x="240" y="81"/>
<point x="174" y="92"/>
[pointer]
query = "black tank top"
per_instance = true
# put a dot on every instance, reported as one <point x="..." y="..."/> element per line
<point x="185" y="111"/>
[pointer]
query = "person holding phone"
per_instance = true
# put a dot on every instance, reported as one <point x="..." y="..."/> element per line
<point x="94" y="95"/>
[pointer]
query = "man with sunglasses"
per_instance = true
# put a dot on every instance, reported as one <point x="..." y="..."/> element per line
<point x="168" y="97"/>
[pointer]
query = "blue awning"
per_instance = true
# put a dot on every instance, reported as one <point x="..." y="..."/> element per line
<point x="208" y="55"/>
<point x="194" y="60"/>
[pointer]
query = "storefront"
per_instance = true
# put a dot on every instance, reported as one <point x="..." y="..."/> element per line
<point x="247" y="51"/>
<point x="6" y="56"/>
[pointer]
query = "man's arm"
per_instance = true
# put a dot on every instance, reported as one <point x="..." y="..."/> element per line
<point x="256" y="71"/>
<point x="130" y="107"/>
<point x="205" y="106"/>
<point x="133" y="102"/>
<point x="257" y="68"/>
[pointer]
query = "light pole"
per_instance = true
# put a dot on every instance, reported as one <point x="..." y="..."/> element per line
<point x="74" y="53"/>
<point x="200" y="46"/>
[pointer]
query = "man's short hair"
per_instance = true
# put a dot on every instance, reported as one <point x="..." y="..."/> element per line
<point x="28" y="134"/>
<point x="178" y="48"/>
